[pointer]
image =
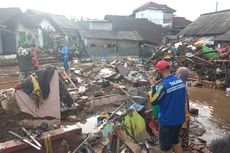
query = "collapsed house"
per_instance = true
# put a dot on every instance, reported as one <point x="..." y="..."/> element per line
<point x="112" y="97"/>
<point x="213" y="29"/>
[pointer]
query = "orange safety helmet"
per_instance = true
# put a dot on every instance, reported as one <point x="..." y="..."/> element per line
<point x="161" y="65"/>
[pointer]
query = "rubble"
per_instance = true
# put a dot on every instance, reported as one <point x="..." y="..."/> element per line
<point x="91" y="86"/>
<point x="201" y="57"/>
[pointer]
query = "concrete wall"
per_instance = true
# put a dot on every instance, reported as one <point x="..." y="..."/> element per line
<point x="1" y="50"/>
<point x="40" y="41"/>
<point x="100" y="25"/>
<point x="37" y="33"/>
<point x="101" y="47"/>
<point x="8" y="42"/>
<point x="128" y="48"/>
<point x="21" y="28"/>
<point x="167" y="19"/>
<point x="111" y="48"/>
<point x="155" y="16"/>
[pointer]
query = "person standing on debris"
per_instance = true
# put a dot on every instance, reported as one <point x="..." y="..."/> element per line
<point x="169" y="93"/>
<point x="34" y="60"/>
<point x="64" y="52"/>
<point x="183" y="73"/>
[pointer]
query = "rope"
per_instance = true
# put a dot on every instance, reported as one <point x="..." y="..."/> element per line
<point x="48" y="145"/>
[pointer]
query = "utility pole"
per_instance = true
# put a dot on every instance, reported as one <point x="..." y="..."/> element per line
<point x="216" y="5"/>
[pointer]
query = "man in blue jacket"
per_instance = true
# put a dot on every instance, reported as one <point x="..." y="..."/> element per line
<point x="64" y="53"/>
<point x="169" y="94"/>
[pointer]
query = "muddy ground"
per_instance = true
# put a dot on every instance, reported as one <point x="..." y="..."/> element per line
<point x="8" y="76"/>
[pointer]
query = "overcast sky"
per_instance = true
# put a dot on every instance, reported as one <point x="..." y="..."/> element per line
<point x="96" y="9"/>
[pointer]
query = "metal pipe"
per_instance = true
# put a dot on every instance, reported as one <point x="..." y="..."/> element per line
<point x="28" y="134"/>
<point x="24" y="140"/>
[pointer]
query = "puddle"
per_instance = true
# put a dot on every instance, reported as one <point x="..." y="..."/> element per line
<point x="4" y="78"/>
<point x="214" y="114"/>
<point x="89" y="125"/>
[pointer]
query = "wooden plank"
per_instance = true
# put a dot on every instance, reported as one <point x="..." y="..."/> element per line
<point x="55" y="135"/>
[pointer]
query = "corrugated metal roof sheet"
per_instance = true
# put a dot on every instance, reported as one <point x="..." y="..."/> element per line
<point x="209" y="24"/>
<point x="8" y="13"/>
<point x="115" y="18"/>
<point x="223" y="37"/>
<point x="115" y="35"/>
<point x="152" y="5"/>
<point x="149" y="31"/>
<point x="60" y="20"/>
<point x="180" y="21"/>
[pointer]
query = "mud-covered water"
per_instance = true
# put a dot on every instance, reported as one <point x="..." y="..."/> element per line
<point x="8" y="76"/>
<point x="214" y="113"/>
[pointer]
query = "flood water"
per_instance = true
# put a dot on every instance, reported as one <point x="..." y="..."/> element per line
<point x="8" y="76"/>
<point x="214" y="114"/>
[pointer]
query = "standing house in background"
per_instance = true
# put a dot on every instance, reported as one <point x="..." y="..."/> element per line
<point x="156" y="13"/>
<point x="213" y="28"/>
<point x="179" y="23"/>
<point x="212" y="24"/>
<point x="8" y="24"/>
<point x="31" y="29"/>
<point x="60" y="23"/>
<point x="101" y="41"/>
<point x="7" y="41"/>
<point x="151" y="33"/>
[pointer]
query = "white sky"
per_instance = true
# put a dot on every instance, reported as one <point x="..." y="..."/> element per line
<point x="96" y="9"/>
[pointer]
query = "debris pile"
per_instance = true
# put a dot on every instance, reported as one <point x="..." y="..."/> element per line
<point x="98" y="88"/>
<point x="10" y="117"/>
<point x="127" y="78"/>
<point x="210" y="65"/>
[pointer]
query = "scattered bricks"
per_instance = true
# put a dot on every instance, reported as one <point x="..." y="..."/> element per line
<point x="191" y="137"/>
<point x="122" y="70"/>
<point x="202" y="140"/>
<point x="72" y="118"/>
<point x="194" y="111"/>
<point x="198" y="147"/>
<point x="200" y="132"/>
<point x="143" y="82"/>
<point x="118" y="77"/>
<point x="98" y="93"/>
<point x="205" y="150"/>
<point x="195" y="151"/>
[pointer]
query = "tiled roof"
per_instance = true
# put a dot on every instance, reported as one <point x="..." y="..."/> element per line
<point x="149" y="31"/>
<point x="180" y="22"/>
<point x="152" y="5"/>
